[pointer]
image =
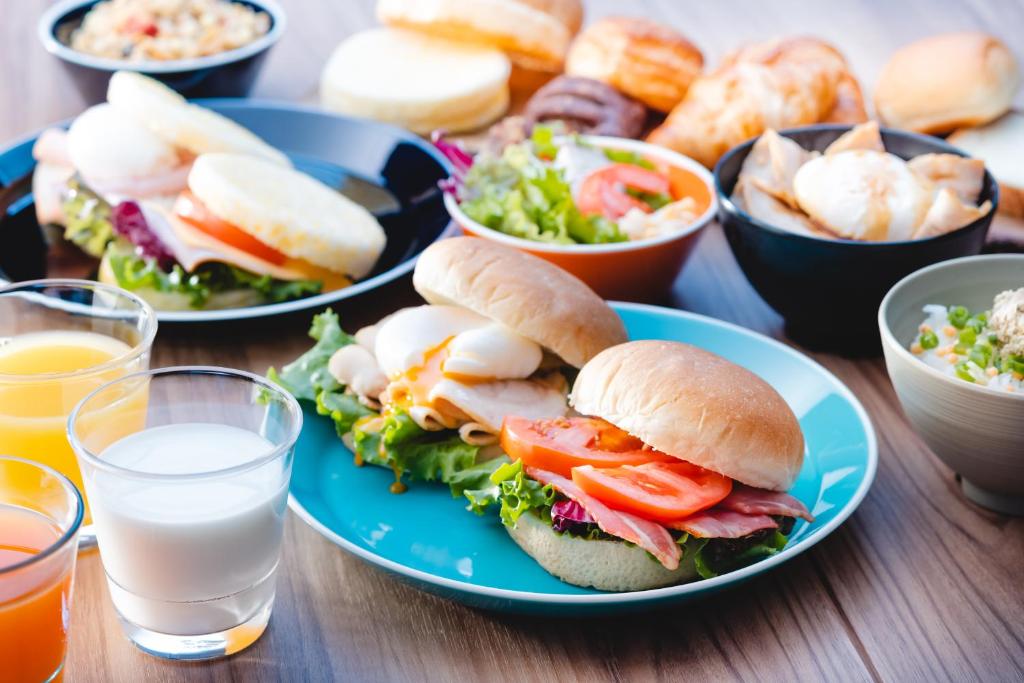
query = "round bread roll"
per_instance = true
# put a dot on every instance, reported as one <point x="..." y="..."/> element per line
<point x="943" y="82"/>
<point x="188" y="126"/>
<point x="416" y="81"/>
<point x="535" y="298"/>
<point x="289" y="211"/>
<point x="604" y="565"/>
<point x="648" y="61"/>
<point x="106" y="143"/>
<point x="1000" y="145"/>
<point x="697" y="406"/>
<point x="534" y="33"/>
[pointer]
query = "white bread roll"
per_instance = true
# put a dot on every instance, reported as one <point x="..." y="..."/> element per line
<point x="416" y="81"/>
<point x="289" y="211"/>
<point x="605" y="565"/>
<point x="105" y="143"/>
<point x="1000" y="145"/>
<point x="946" y="81"/>
<point x="697" y="406"/>
<point x="535" y="298"/>
<point x="188" y="126"/>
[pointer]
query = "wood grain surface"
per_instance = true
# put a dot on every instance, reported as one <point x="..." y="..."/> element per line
<point x="918" y="585"/>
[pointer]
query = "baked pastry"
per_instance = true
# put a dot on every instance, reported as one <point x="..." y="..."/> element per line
<point x="867" y="136"/>
<point x="417" y="81"/>
<point x="961" y="175"/>
<point x="849" y="107"/>
<point x="584" y="105"/>
<point x="535" y="33"/>
<point x="947" y="81"/>
<point x="1001" y="145"/>
<point x="777" y="84"/>
<point x="771" y="165"/>
<point x="646" y="60"/>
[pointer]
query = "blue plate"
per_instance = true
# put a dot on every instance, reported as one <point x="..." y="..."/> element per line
<point x="430" y="540"/>
<point x="390" y="171"/>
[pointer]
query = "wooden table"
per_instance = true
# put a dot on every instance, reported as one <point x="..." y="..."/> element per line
<point x="918" y="585"/>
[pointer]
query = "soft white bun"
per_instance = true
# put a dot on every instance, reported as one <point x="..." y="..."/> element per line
<point x="106" y="143"/>
<point x="1000" y="145"/>
<point x="188" y="126"/>
<point x="697" y="406"/>
<point x="535" y="33"/>
<point x="289" y="211"/>
<point x="417" y="81"/>
<point x="175" y="301"/>
<point x="605" y="565"/>
<point x="946" y="81"/>
<point x="535" y="298"/>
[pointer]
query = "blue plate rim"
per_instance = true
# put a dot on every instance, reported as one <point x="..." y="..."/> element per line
<point x="655" y="594"/>
<point x="286" y="307"/>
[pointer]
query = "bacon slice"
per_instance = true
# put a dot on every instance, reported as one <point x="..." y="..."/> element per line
<point x="650" y="536"/>
<point x="752" y="501"/>
<point x="719" y="523"/>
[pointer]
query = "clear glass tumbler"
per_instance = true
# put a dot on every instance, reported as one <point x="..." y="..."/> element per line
<point x="60" y="340"/>
<point x="189" y="488"/>
<point x="40" y="515"/>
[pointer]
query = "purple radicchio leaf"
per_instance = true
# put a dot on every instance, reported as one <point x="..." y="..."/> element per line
<point x="130" y="223"/>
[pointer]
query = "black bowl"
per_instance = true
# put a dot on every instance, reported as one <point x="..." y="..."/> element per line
<point x="828" y="290"/>
<point x="225" y="74"/>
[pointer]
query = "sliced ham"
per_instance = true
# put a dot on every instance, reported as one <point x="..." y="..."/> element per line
<point x="488" y="403"/>
<point x="719" y="523"/>
<point x="751" y="501"/>
<point x="49" y="183"/>
<point x="648" y="535"/>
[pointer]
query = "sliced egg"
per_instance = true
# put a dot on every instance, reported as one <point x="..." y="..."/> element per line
<point x="403" y="341"/>
<point x="492" y="352"/>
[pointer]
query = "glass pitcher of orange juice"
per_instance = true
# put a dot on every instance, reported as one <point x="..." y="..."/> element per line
<point x="60" y="340"/>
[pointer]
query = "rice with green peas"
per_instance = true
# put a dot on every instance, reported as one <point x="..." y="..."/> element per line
<point x="972" y="346"/>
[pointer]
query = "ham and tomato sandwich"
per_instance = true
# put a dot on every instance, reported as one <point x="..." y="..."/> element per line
<point x="675" y="468"/>
<point x="425" y="390"/>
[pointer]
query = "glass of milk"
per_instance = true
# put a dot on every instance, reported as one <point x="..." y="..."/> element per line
<point x="187" y="470"/>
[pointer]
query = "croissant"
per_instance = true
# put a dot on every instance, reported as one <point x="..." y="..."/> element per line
<point x="777" y="84"/>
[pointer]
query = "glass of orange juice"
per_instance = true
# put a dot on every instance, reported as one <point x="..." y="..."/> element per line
<point x="40" y="514"/>
<point x="60" y="340"/>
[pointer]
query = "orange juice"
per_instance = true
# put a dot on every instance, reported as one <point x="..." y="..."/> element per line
<point x="35" y="401"/>
<point x="34" y="600"/>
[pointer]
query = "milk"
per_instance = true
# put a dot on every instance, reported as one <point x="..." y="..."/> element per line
<point x="189" y="556"/>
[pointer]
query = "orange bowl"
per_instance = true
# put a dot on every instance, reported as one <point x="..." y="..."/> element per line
<point x="640" y="270"/>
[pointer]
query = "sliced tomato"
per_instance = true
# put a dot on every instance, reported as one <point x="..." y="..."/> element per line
<point x="603" y="191"/>
<point x="562" y="443"/>
<point x="189" y="208"/>
<point x="662" y="492"/>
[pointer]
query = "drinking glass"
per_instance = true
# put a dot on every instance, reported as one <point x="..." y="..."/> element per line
<point x="40" y="515"/>
<point x="60" y="340"/>
<point x="189" y="498"/>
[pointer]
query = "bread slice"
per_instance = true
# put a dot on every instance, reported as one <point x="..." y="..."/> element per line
<point x="289" y="211"/>
<point x="605" y="565"/>
<point x="188" y="126"/>
<point x="1000" y="145"/>
<point x="417" y="81"/>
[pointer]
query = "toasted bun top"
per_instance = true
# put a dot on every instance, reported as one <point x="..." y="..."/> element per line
<point x="535" y="298"/>
<point x="289" y="211"/>
<point x="189" y="126"/>
<point x="697" y="406"/>
<point x="942" y="82"/>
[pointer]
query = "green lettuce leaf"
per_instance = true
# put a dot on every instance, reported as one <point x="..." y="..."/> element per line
<point x="87" y="221"/>
<point x="720" y="555"/>
<point x="517" y="494"/>
<point x="133" y="272"/>
<point x="307" y="375"/>
<point x="344" y="409"/>
<point x="627" y="156"/>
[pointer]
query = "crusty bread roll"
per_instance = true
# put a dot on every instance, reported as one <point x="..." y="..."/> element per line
<point x="535" y="298"/>
<point x="646" y="60"/>
<point x="534" y="33"/>
<point x="417" y="81"/>
<point x="604" y="565"/>
<point x="778" y="84"/>
<point x="289" y="211"/>
<point x="188" y="126"/>
<point x="692" y="404"/>
<point x="943" y="82"/>
<point x="1000" y="145"/>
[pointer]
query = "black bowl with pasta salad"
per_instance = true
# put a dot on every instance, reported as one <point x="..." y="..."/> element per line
<point x="201" y="48"/>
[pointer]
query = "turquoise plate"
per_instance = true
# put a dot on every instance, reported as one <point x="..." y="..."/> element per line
<point x="427" y="538"/>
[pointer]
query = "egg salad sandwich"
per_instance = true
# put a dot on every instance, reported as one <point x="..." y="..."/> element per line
<point x="425" y="391"/>
<point x="191" y="210"/>
<point x="676" y="468"/>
